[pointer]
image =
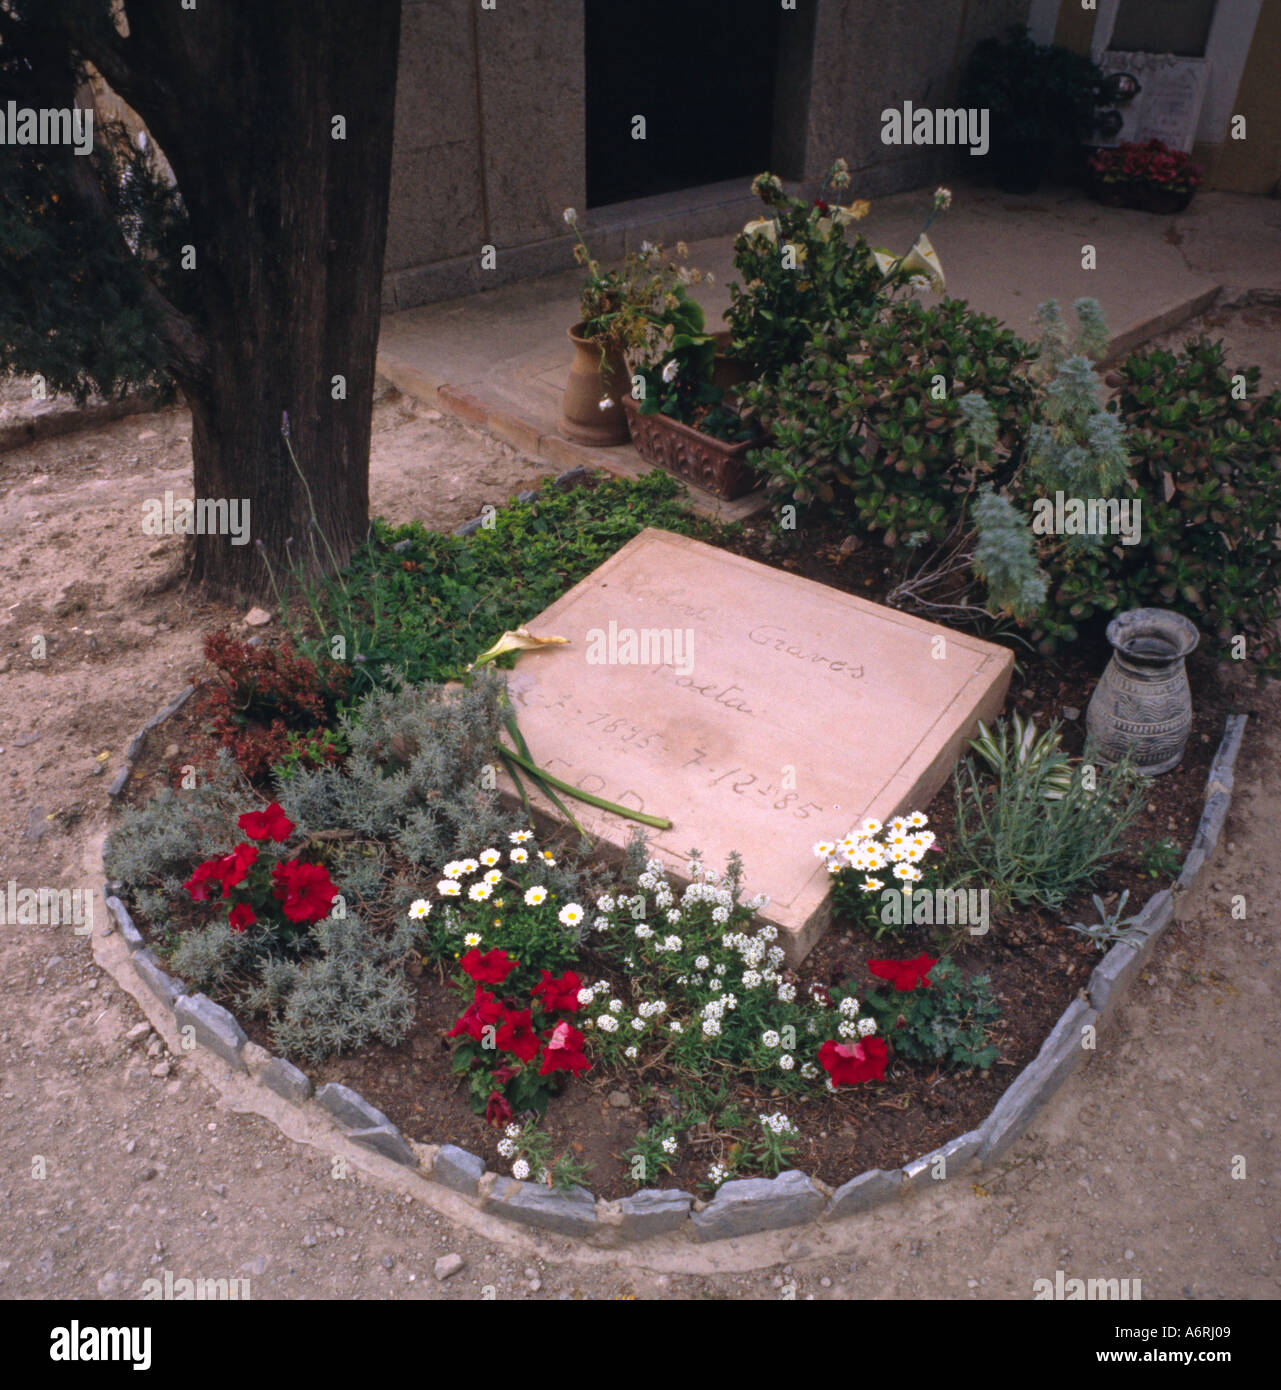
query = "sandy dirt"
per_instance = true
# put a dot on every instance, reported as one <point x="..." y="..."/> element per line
<point x="1129" y="1173"/>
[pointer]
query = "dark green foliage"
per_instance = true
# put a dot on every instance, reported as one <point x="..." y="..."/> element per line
<point x="945" y="1022"/>
<point x="428" y="608"/>
<point x="1036" y="93"/>
<point x="1209" y="551"/>
<point x="775" y="309"/>
<point x="856" y="425"/>
<point x="73" y="307"/>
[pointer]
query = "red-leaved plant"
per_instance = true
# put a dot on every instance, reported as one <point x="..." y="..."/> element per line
<point x="512" y="1056"/>
<point x="284" y="896"/>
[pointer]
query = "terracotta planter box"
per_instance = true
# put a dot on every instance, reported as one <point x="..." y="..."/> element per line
<point x="714" y="464"/>
<point x="1145" y="197"/>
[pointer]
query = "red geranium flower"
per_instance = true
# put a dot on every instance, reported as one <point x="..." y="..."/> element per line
<point x="498" y="1109"/>
<point x="241" y="916"/>
<point x="207" y="873"/>
<point x="559" y="995"/>
<point x="492" y="968"/>
<point x="849" y="1063"/>
<point x="271" y="824"/>
<point x="564" y="1051"/>
<point x="516" y="1035"/>
<point x="821" y="206"/>
<point x="236" y="865"/>
<point x="306" y="891"/>
<point x="483" y="1012"/>
<point x="904" y="974"/>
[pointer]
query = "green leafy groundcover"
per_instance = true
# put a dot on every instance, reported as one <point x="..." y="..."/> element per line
<point x="427" y="604"/>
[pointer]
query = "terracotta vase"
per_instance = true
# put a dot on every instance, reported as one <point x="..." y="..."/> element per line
<point x="1142" y="704"/>
<point x="594" y="377"/>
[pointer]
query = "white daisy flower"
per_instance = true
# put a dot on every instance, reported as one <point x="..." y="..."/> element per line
<point x="536" y="896"/>
<point x="489" y="857"/>
<point x="419" y="909"/>
<point x="448" y="888"/>
<point x="473" y="938"/>
<point x="518" y="837"/>
<point x="519" y="856"/>
<point x="570" y="915"/>
<point x="478" y="892"/>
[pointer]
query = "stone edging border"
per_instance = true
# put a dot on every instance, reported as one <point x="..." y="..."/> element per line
<point x="121" y="779"/>
<point x="742" y="1206"/>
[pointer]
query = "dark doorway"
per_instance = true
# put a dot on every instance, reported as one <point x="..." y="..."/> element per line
<point x="701" y="72"/>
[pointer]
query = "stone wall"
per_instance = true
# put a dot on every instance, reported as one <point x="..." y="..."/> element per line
<point x="490" y="129"/>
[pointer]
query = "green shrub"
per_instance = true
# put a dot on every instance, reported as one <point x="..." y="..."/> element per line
<point x="857" y="422"/>
<point x="945" y="1022"/>
<point x="1204" y="465"/>
<point x="1031" y="840"/>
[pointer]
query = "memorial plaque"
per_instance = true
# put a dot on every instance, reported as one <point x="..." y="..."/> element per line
<point x="1169" y="102"/>
<point x="756" y="710"/>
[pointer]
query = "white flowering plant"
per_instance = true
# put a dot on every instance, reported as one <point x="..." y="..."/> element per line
<point x="694" y="989"/>
<point x="531" y="1153"/>
<point x="874" y="861"/>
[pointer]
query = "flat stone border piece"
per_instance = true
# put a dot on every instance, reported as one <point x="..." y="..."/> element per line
<point x="747" y="1205"/>
<point x="568" y="1213"/>
<point x="743" y="1206"/>
<point x="121" y="779"/>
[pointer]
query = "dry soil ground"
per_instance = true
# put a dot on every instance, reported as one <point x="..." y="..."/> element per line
<point x="1130" y="1172"/>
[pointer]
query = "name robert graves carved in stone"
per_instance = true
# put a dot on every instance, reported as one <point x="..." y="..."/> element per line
<point x="756" y="710"/>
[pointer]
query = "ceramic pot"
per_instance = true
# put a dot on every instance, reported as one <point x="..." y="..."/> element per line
<point x="715" y="464"/>
<point x="1142" y="704"/>
<point x="593" y="377"/>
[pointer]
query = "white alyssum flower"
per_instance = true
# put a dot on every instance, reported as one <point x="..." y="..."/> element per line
<point x="866" y="1027"/>
<point x="751" y="979"/>
<point x="520" y="1170"/>
<point x="673" y="915"/>
<point x="778" y="1123"/>
<point x="671" y="371"/>
<point x="670" y="1144"/>
<point x="616" y="1006"/>
<point x="770" y="1038"/>
<point x="787" y="1061"/>
<point x="701" y="963"/>
<point x="607" y="1023"/>
<point x="506" y="1147"/>
<point x="676" y="1026"/>
<point x="632" y="1052"/>
<point x="643" y="931"/>
<point x="586" y="995"/>
<point x="605" y="904"/>
<point x="602" y="924"/>
<point x="786" y="992"/>
<point x="711" y="1027"/>
<point x="849" y="1007"/>
<point x="847" y="1028"/>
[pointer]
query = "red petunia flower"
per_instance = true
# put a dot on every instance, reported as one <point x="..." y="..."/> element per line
<point x="271" y="824"/>
<point x="241" y="916"/>
<point x="516" y="1035"/>
<point x="208" y="873"/>
<point x="306" y="891"/>
<point x="564" y="1051"/>
<point x="236" y="865"/>
<point x="498" y="1110"/>
<point x="483" y="1012"/>
<point x="821" y="206"/>
<point x="904" y="974"/>
<point x="559" y="995"/>
<point x="492" y="968"/>
<point x="849" y="1063"/>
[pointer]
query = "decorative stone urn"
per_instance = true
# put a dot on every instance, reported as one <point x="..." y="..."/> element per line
<point x="595" y="376"/>
<point x="1142" y="704"/>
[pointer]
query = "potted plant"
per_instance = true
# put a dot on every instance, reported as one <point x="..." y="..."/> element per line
<point x="680" y="409"/>
<point x="618" y="308"/>
<point x="1041" y="101"/>
<point x="1148" y="175"/>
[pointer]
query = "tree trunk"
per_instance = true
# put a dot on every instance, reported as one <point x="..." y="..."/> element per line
<point x="251" y="102"/>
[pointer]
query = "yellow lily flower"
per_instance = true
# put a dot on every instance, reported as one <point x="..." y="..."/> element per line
<point x="520" y="640"/>
<point x="856" y="212"/>
<point x="922" y="259"/>
<point x="762" y="226"/>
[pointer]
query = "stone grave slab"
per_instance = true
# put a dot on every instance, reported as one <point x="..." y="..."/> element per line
<point x="756" y="710"/>
<point x="1168" y="106"/>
